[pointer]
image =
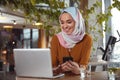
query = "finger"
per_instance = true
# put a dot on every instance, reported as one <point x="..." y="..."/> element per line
<point x="64" y="64"/>
<point x="70" y="65"/>
<point x="66" y="68"/>
<point x="56" y="67"/>
<point x="74" y="64"/>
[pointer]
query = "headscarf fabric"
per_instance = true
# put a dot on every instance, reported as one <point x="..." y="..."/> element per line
<point x="69" y="41"/>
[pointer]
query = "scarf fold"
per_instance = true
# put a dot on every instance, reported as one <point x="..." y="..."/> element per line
<point x="69" y="41"/>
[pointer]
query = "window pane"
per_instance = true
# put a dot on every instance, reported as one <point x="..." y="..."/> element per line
<point x="115" y="27"/>
<point x="26" y="33"/>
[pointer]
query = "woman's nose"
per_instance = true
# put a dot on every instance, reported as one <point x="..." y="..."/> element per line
<point x="65" y="26"/>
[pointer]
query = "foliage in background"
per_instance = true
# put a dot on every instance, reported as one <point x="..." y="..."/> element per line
<point x="49" y="12"/>
<point x="34" y="9"/>
<point x="101" y="19"/>
<point x="43" y="11"/>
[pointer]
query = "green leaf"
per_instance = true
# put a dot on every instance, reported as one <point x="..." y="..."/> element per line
<point x="33" y="2"/>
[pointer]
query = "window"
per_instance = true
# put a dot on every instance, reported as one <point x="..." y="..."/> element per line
<point x="26" y="40"/>
<point x="114" y="23"/>
<point x="35" y="37"/>
<point x="30" y="38"/>
<point x="116" y="26"/>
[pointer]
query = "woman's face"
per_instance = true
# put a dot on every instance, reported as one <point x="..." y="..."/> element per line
<point x="67" y="23"/>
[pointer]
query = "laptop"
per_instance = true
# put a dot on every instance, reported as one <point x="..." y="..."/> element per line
<point x="34" y="63"/>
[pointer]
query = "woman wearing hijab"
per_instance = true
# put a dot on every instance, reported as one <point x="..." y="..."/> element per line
<point x="70" y="49"/>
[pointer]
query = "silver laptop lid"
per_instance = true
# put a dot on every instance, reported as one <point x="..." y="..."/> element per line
<point x="33" y="62"/>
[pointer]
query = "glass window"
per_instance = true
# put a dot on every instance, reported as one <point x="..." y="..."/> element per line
<point x="26" y="36"/>
<point x="26" y="33"/>
<point x="115" y="26"/>
<point x="35" y="38"/>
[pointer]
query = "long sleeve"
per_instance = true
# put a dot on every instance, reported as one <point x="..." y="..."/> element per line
<point x="54" y="50"/>
<point x="86" y="50"/>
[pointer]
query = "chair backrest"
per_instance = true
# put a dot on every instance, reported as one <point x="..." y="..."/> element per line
<point x="109" y="47"/>
<point x="1" y="65"/>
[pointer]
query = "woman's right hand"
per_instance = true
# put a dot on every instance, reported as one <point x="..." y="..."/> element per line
<point x="57" y="70"/>
<point x="70" y="66"/>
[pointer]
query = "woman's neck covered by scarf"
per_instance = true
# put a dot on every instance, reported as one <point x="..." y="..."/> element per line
<point x="69" y="41"/>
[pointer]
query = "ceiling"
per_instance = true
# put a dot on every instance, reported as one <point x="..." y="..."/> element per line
<point x="8" y="17"/>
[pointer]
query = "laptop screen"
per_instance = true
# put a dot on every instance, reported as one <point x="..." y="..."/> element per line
<point x="33" y="62"/>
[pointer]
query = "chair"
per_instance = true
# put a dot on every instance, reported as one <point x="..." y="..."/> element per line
<point x="2" y="68"/>
<point x="93" y="65"/>
<point x="106" y="54"/>
<point x="109" y="48"/>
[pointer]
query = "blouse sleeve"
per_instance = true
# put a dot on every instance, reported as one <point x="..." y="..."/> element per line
<point x="54" y="50"/>
<point x="86" y="51"/>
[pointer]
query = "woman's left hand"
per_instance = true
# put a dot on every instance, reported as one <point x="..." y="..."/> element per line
<point x="71" y="66"/>
<point x="75" y="67"/>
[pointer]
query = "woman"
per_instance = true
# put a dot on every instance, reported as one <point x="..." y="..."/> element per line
<point x="72" y="42"/>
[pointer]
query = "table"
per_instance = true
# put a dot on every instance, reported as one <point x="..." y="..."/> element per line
<point x="94" y="76"/>
<point x="98" y="63"/>
<point x="103" y="63"/>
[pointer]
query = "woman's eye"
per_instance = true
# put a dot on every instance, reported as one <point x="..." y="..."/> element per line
<point x="61" y="23"/>
<point x="69" y="22"/>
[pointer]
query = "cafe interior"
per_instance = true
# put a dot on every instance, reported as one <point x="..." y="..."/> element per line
<point x="31" y="24"/>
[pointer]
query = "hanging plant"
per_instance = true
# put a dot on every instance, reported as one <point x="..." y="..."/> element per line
<point x="47" y="12"/>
